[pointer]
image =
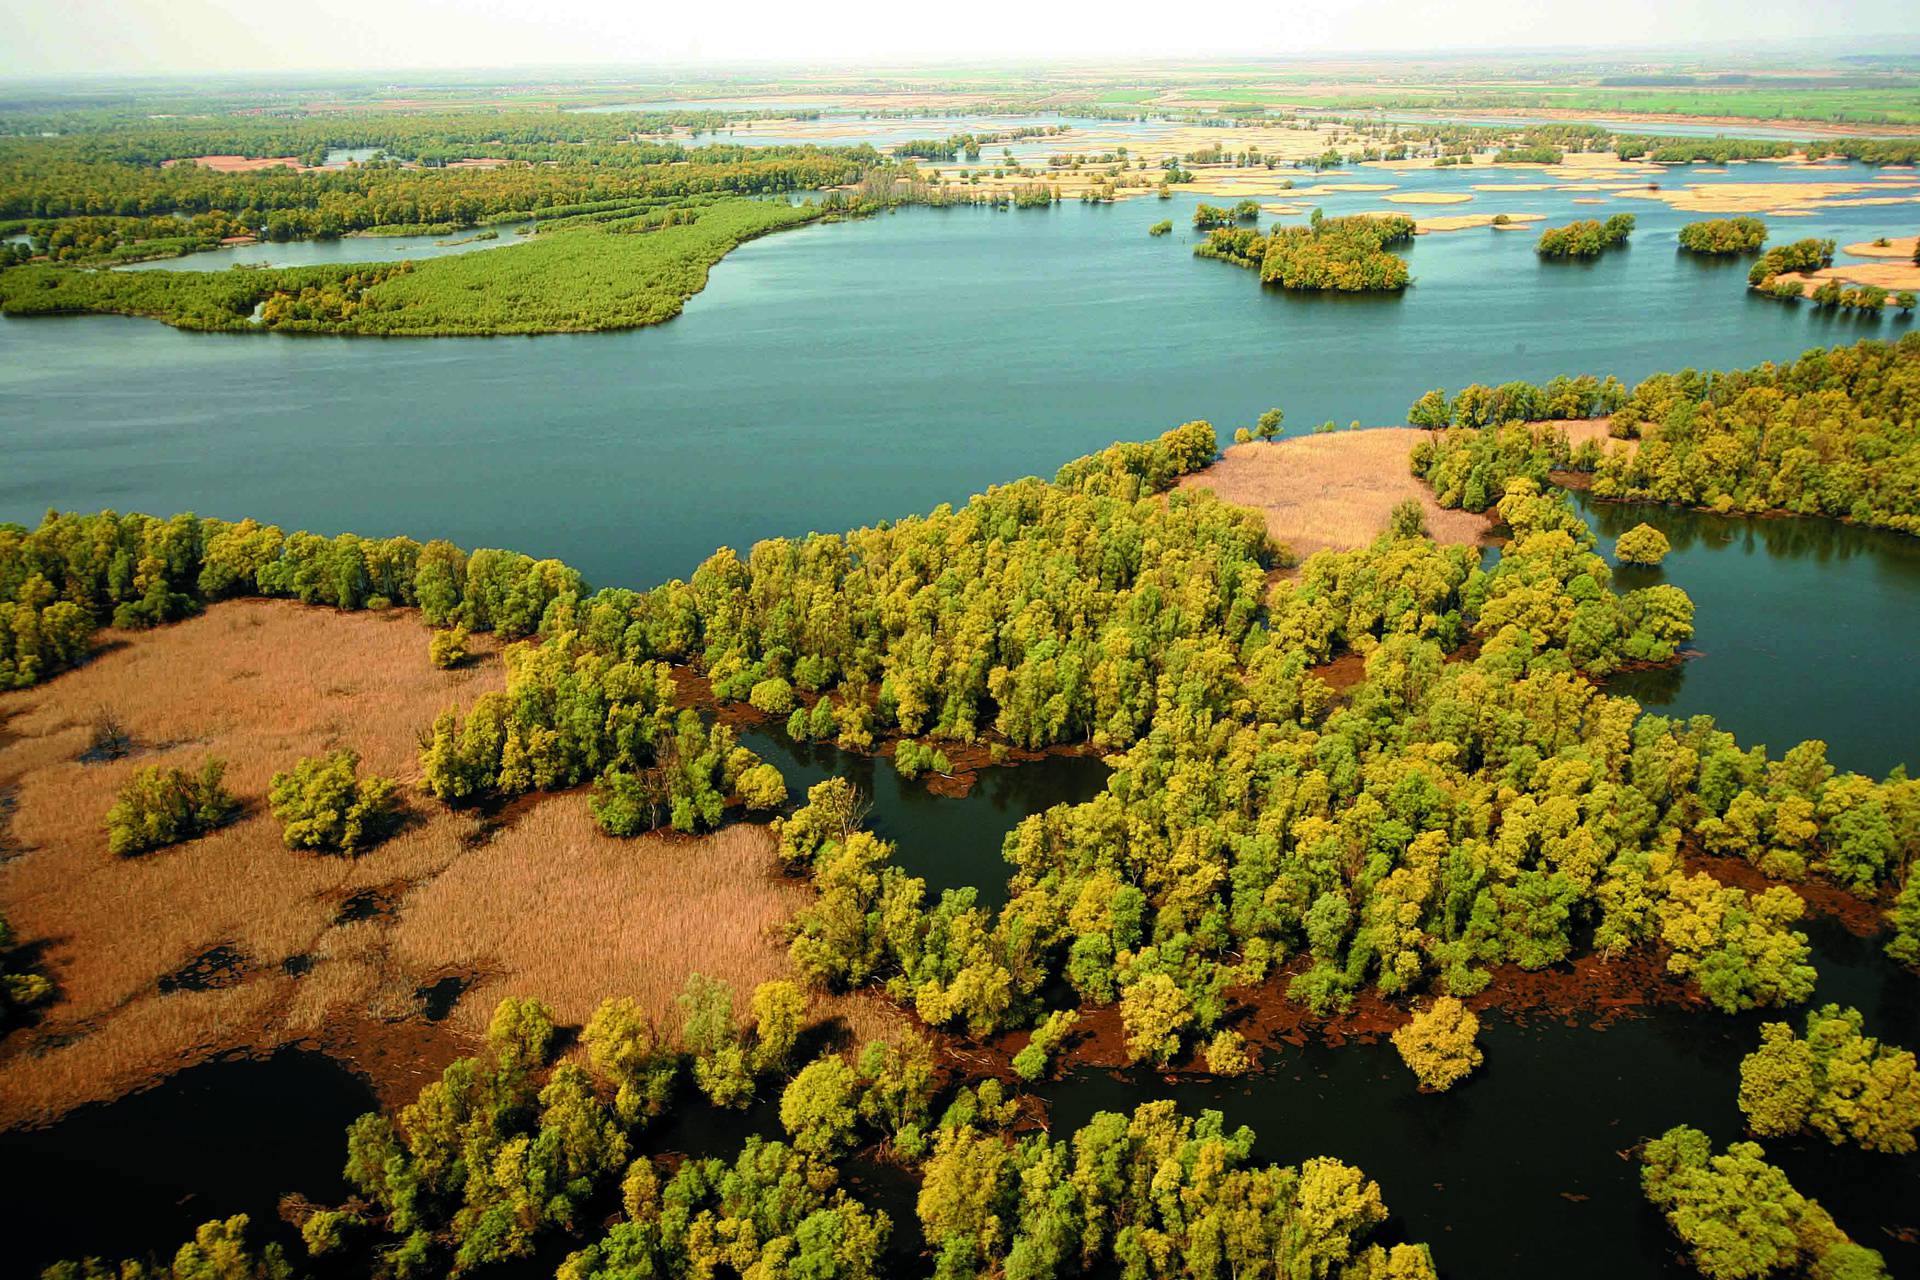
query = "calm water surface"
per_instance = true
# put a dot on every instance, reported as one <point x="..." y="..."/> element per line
<point x="835" y="375"/>
<point x="1805" y="629"/>
<point x="313" y="253"/>
<point x="1525" y="1169"/>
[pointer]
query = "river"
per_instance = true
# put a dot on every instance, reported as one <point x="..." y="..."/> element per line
<point x="841" y="374"/>
<point x="835" y="375"/>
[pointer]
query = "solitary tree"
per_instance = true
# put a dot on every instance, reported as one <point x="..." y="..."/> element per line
<point x="1269" y="422"/>
<point x="1642" y="544"/>
<point x="1438" y="1045"/>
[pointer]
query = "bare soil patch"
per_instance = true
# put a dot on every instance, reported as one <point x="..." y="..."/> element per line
<point x="1336" y="489"/>
<point x="1887" y="275"/>
<point x="1896" y="247"/>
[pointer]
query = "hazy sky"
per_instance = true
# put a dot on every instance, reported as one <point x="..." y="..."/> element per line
<point x="42" y="37"/>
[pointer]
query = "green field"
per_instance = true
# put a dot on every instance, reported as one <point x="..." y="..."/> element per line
<point x="1839" y="106"/>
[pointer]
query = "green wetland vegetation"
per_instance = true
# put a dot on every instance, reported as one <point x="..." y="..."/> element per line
<point x="1309" y="832"/>
<point x="1431" y="831"/>
<point x="623" y="274"/>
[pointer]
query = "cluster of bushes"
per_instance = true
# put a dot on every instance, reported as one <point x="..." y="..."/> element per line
<point x="1798" y="257"/>
<point x="38" y="640"/>
<point x="1586" y="239"/>
<point x="572" y="713"/>
<point x="160" y="806"/>
<point x="1469" y="468"/>
<point x="1724" y="236"/>
<point x="1338" y="254"/>
<point x="514" y="1145"/>
<point x="511" y="1145"/>
<point x="1833" y="295"/>
<point x="1547" y="581"/>
<point x="1838" y="1082"/>
<point x="1039" y="612"/>
<point x="219" y="1250"/>
<point x="1208" y="217"/>
<point x="323" y="803"/>
<point x="1830" y="434"/>
<point x="915" y="758"/>
<point x="1740" y="1216"/>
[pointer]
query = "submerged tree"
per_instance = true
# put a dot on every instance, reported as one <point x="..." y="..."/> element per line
<point x="1438" y="1044"/>
<point x="1837" y="1081"/>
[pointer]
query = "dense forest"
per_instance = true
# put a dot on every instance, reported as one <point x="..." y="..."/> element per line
<point x="617" y="271"/>
<point x="1830" y="434"/>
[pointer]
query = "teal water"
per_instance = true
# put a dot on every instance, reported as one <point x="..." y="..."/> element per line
<point x="835" y="375"/>
<point x="313" y="253"/>
<point x="841" y="374"/>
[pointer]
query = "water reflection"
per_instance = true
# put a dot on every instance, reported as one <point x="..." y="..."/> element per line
<point x="950" y="843"/>
<point x="1804" y="628"/>
<point x="138" y="1175"/>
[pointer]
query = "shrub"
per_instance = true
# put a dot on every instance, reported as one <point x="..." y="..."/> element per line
<point x="1032" y="1061"/>
<point x="1642" y="544"/>
<point x="915" y="758"/>
<point x="772" y="695"/>
<point x="18" y="988"/>
<point x="1227" y="1054"/>
<point x="448" y="648"/>
<point x="762" y="787"/>
<point x="1438" y="1045"/>
<point x="1588" y="239"/>
<point x="1799" y="257"/>
<point x="324" y="803"/>
<point x="160" y="806"/>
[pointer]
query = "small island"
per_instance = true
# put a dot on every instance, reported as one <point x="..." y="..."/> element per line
<point x="1723" y="236"/>
<point x="1337" y="255"/>
<point x="1586" y="239"/>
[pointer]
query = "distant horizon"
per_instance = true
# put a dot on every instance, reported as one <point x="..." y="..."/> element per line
<point x="113" y="39"/>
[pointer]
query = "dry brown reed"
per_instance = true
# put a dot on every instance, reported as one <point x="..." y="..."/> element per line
<point x="550" y="907"/>
<point x="1335" y="489"/>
